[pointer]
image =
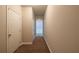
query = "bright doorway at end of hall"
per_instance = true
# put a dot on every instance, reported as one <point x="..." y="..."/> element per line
<point x="39" y="24"/>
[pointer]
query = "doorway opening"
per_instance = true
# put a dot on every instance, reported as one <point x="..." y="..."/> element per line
<point x="39" y="27"/>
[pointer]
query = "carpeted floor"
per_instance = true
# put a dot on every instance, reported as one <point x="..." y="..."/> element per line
<point x="38" y="46"/>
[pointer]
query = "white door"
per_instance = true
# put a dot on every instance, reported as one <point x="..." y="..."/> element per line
<point x="12" y="30"/>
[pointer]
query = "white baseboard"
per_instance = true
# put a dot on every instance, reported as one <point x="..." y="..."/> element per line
<point x="26" y="43"/>
<point x="18" y="47"/>
<point x="48" y="46"/>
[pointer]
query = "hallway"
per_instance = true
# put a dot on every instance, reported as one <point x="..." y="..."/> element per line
<point x="21" y="24"/>
<point x="38" y="46"/>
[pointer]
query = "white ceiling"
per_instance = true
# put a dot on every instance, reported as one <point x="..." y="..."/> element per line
<point x="39" y="10"/>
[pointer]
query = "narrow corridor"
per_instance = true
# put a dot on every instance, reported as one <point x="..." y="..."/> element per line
<point x="22" y="28"/>
<point x="38" y="46"/>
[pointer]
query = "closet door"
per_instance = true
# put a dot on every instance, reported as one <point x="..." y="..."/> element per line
<point x="13" y="29"/>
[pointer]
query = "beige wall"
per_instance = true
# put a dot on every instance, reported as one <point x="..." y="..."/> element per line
<point x="3" y="27"/>
<point x="27" y="24"/>
<point x="62" y="28"/>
